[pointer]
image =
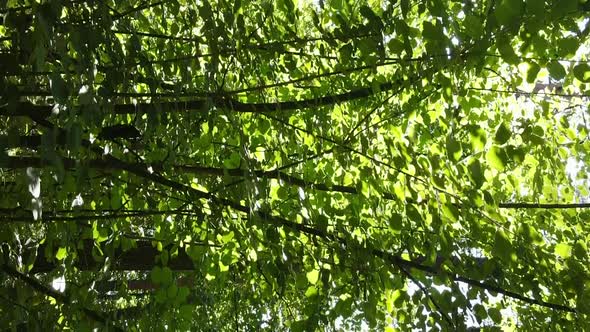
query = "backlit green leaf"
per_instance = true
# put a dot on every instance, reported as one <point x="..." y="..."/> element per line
<point x="563" y="250"/>
<point x="312" y="276"/>
<point x="61" y="253"/>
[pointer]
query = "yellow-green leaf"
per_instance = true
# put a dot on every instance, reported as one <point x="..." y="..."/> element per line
<point x="312" y="276"/>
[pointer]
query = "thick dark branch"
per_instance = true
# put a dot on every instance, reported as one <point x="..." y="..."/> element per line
<point x="31" y="141"/>
<point x="499" y="290"/>
<point x="176" y="95"/>
<point x="104" y="164"/>
<point x="158" y="35"/>
<point x="312" y="77"/>
<point x="23" y="215"/>
<point x="272" y="45"/>
<point x="535" y="93"/>
<point x="273" y="174"/>
<point x="36" y="285"/>
<point x="201" y="105"/>
<point x="400" y="262"/>
<point x="24" y="162"/>
<point x="543" y="206"/>
<point x="34" y="141"/>
<point x="309" y="103"/>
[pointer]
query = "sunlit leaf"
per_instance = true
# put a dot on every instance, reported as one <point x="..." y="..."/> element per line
<point x="312" y="276"/>
<point x="61" y="253"/>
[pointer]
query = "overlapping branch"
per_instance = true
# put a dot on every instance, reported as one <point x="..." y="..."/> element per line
<point x="305" y="228"/>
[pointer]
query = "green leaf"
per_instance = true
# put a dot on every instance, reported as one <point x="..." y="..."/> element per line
<point x="157" y="275"/>
<point x="164" y="256"/>
<point x="532" y="72"/>
<point x="495" y="315"/>
<point x="473" y="26"/>
<point x="503" y="133"/>
<point x="497" y="158"/>
<point x="396" y="222"/>
<point x="166" y="275"/>
<point x="311" y="291"/>
<point x="183" y="293"/>
<point x="161" y="295"/>
<point x="535" y="7"/>
<point x="568" y="46"/>
<point x="556" y="70"/>
<point x="74" y="141"/>
<point x="413" y="214"/>
<point x="580" y="250"/>
<point x="59" y="88"/>
<point x="374" y="20"/>
<point x="480" y="312"/>
<point x="282" y="193"/>
<point x="186" y="311"/>
<point x="99" y="234"/>
<point x="530" y="234"/>
<point x="454" y="150"/>
<point x="172" y="291"/>
<point x="252" y="255"/>
<point x="233" y="161"/>
<point x="506" y="51"/>
<point x="515" y="154"/>
<point x="61" y="253"/>
<point x="563" y="250"/>
<point x="431" y="32"/>
<point x="503" y="248"/>
<point x="312" y="276"/>
<point x="582" y="72"/>
<point x="116" y="199"/>
<point x="478" y="138"/>
<point x="535" y="11"/>
<point x="476" y="173"/>
<point x="451" y="211"/>
<point x="508" y="11"/>
<point x="395" y="46"/>
<point x="583" y="299"/>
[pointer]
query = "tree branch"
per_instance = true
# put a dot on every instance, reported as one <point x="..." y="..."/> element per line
<point x="36" y="285"/>
<point x="201" y="105"/>
<point x="23" y="215"/>
<point x="517" y="205"/>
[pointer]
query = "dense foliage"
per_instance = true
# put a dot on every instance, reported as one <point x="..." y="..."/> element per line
<point x="294" y="165"/>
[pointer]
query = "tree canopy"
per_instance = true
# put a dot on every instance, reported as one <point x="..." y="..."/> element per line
<point x="294" y="165"/>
